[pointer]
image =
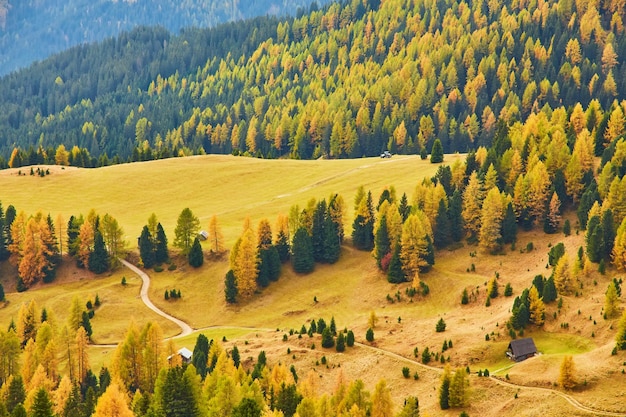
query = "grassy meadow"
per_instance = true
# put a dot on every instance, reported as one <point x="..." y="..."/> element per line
<point x="235" y="188"/>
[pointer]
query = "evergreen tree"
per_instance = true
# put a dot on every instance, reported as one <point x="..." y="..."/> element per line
<point x="455" y="215"/>
<point x="594" y="239"/>
<point x="395" y="273"/>
<point x="2" y="296"/>
<point x="404" y="207"/>
<point x="73" y="231"/>
<point x="443" y="232"/>
<point x="247" y="407"/>
<point x="444" y="390"/>
<point x="369" y="335"/>
<point x="19" y="411"/>
<point x="589" y="197"/>
<point x="86" y="324"/>
<point x="620" y="337"/>
<point x="263" y="279"/>
<point x="16" y="393"/>
<point x="318" y="233"/>
<point x="363" y="225"/>
<point x="302" y="252"/>
<point x="234" y="354"/>
<point x="549" y="291"/>
<point x="146" y="248"/>
<point x="464" y="297"/>
<point x="282" y="246"/>
<point x="230" y="287"/>
<point x="436" y="153"/>
<point x="99" y="258"/>
<point x="608" y="228"/>
<point x="328" y="340"/>
<point x="287" y="399"/>
<point x="176" y="396"/>
<point x="42" y="406"/>
<point x="350" y="338"/>
<point x="161" y="253"/>
<point x="200" y="355"/>
<point x="411" y="408"/>
<point x="332" y="244"/>
<point x="196" y="256"/>
<point x="509" y="225"/>
<point x="555" y="253"/>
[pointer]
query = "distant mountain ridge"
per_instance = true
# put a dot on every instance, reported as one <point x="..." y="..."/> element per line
<point x="32" y="30"/>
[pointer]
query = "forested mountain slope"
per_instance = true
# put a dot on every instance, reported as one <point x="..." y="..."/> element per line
<point x="34" y="29"/>
<point x="346" y="81"/>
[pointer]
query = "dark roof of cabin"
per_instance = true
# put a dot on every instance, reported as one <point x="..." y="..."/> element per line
<point x="522" y="347"/>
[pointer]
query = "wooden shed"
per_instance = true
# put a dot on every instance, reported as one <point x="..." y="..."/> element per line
<point x="521" y="349"/>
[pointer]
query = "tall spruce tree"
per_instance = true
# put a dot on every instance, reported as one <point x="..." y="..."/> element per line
<point x="161" y="253"/>
<point x="443" y="232"/>
<point x="436" y="153"/>
<point x="332" y="243"/>
<point x="608" y="229"/>
<point x="230" y="287"/>
<point x="549" y="291"/>
<point x="196" y="256"/>
<point x="302" y="252"/>
<point x="282" y="246"/>
<point x="363" y="225"/>
<point x="98" y="258"/>
<point x="42" y="405"/>
<point x="200" y="355"/>
<point x="404" y="208"/>
<point x="146" y="248"/>
<point x="455" y="215"/>
<point x="395" y="273"/>
<point x="594" y="238"/>
<point x="509" y="225"/>
<point x="318" y="234"/>
<point x="589" y="197"/>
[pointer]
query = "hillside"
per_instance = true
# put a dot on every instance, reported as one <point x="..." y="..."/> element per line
<point x="349" y="80"/>
<point x="347" y="291"/>
<point x="32" y="30"/>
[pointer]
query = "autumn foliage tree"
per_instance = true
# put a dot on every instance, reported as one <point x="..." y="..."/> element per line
<point x="215" y="238"/>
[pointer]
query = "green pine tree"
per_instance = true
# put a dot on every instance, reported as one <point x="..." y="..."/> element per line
<point x="282" y="246"/>
<point x="86" y="323"/>
<point x="332" y="244"/>
<point x="443" y="232"/>
<point x="509" y="225"/>
<point x="594" y="239"/>
<point x="350" y="338"/>
<point x="436" y="153"/>
<point x="42" y="405"/>
<point x="318" y="234"/>
<point x="549" y="293"/>
<point x="302" y="252"/>
<point x="2" y="296"/>
<point x="16" y="393"/>
<point x="263" y="278"/>
<point x="200" y="355"/>
<point x="444" y="392"/>
<point x="146" y="248"/>
<point x="230" y="287"/>
<point x="99" y="258"/>
<point x="381" y="241"/>
<point x="455" y="215"/>
<point x="196" y="256"/>
<point x="328" y="340"/>
<point x="395" y="273"/>
<point x="161" y="254"/>
<point x="341" y="343"/>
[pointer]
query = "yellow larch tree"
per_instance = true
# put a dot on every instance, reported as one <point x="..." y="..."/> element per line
<point x="615" y="126"/>
<point x="617" y="199"/>
<point x="382" y="405"/>
<point x="536" y="307"/>
<point x="81" y="342"/>
<point x="18" y="232"/>
<point x="86" y="240"/>
<point x="472" y="204"/>
<point x="27" y="322"/>
<point x="414" y="244"/>
<point x="61" y="157"/>
<point x="61" y="395"/>
<point x="619" y="248"/>
<point x="245" y="264"/>
<point x="492" y="213"/>
<point x="563" y="275"/>
<point x="573" y="178"/>
<point x="264" y="234"/>
<point x="113" y="403"/>
<point x="567" y="374"/>
<point x="216" y="239"/>
<point x="153" y="353"/>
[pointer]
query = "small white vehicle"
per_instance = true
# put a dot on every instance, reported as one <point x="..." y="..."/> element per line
<point x="385" y="154"/>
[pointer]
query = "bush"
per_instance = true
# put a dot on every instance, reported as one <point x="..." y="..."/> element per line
<point x="464" y="297"/>
<point x="123" y="280"/>
<point x="369" y="335"/>
<point x="158" y="268"/>
<point x="171" y="267"/>
<point x="441" y="326"/>
<point x="406" y="372"/>
<point x="508" y="290"/>
<point x="529" y="247"/>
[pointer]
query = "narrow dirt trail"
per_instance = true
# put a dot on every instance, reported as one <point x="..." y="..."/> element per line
<point x="185" y="329"/>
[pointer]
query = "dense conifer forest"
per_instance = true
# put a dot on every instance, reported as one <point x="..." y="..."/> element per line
<point x="31" y="30"/>
<point x="350" y="80"/>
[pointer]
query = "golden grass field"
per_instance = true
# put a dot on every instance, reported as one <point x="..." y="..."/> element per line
<point x="234" y="188"/>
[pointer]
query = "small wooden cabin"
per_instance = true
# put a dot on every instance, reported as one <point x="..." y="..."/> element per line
<point x="521" y="349"/>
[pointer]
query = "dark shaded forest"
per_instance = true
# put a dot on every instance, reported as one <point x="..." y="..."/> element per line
<point x="32" y="30"/>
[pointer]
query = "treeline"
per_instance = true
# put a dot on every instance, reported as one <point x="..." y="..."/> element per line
<point x="31" y="30"/>
<point x="350" y="80"/>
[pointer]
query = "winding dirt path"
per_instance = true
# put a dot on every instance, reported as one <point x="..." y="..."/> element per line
<point x="185" y="329"/>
